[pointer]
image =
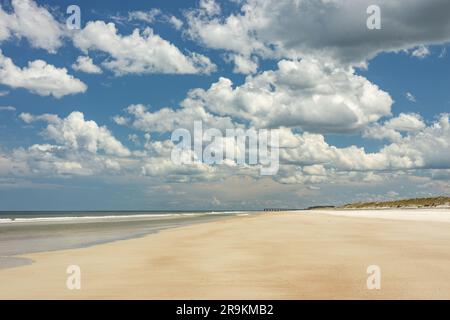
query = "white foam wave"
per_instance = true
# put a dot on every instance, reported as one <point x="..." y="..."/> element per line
<point x="86" y="218"/>
<point x="112" y="217"/>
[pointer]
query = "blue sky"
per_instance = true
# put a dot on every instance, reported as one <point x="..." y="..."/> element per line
<point x="357" y="109"/>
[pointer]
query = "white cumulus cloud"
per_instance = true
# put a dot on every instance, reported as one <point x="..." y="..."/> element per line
<point x="305" y="94"/>
<point x="421" y="52"/>
<point x="140" y="52"/>
<point x="85" y="64"/>
<point x="167" y="120"/>
<point x="410" y="97"/>
<point x="335" y="29"/>
<point x="76" y="133"/>
<point x="33" y="22"/>
<point x="39" y="77"/>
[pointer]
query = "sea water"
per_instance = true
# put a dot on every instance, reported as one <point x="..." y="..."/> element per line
<point x="28" y="232"/>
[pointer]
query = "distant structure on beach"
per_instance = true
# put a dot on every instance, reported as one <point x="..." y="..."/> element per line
<point x="277" y="209"/>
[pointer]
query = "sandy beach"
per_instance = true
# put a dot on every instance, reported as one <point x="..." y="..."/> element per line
<point x="282" y="255"/>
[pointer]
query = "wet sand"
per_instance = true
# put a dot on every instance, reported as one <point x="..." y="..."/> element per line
<point x="283" y="255"/>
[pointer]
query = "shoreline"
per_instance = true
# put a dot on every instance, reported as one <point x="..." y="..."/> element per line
<point x="37" y="234"/>
<point x="282" y="255"/>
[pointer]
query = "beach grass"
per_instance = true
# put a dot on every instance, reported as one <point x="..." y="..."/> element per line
<point x="431" y="202"/>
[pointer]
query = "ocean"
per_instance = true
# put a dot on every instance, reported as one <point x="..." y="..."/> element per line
<point x="28" y="232"/>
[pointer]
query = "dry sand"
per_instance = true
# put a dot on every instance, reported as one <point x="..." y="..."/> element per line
<point x="303" y="255"/>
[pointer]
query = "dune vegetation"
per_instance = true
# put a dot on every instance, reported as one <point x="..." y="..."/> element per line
<point x="406" y="203"/>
